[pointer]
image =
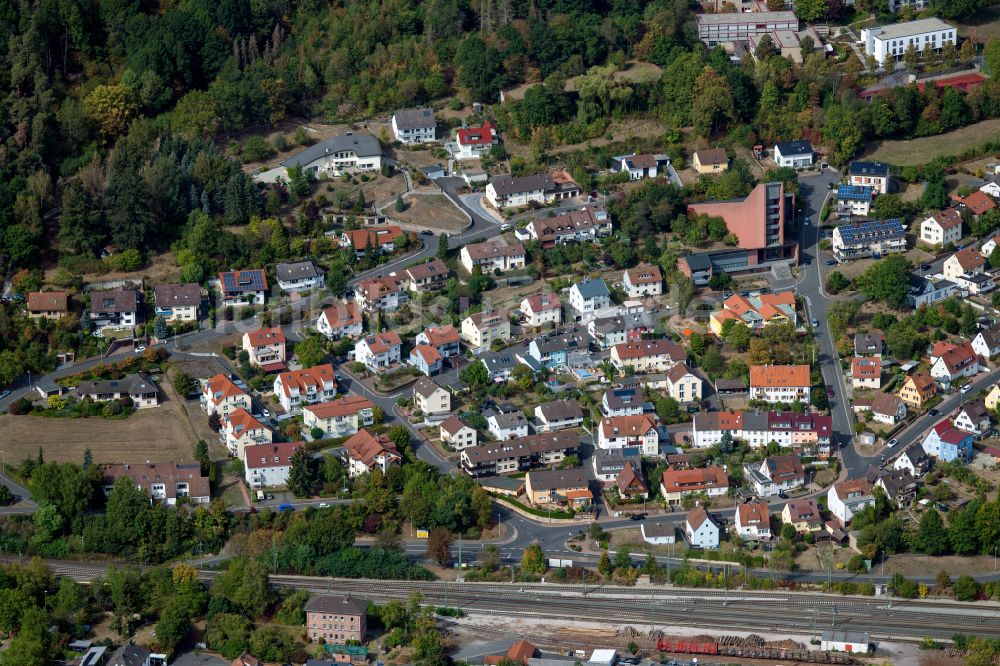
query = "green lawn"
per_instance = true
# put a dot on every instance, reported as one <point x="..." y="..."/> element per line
<point x="923" y="150"/>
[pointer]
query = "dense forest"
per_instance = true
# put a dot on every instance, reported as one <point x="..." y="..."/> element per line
<point x="117" y="111"/>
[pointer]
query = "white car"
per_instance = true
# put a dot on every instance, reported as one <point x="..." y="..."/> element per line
<point x="505" y="227"/>
<point x="966" y="388"/>
<point x="140" y="349"/>
<point x="324" y="505"/>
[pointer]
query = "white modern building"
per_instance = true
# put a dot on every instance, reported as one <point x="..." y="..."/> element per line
<point x="414" y="126"/>
<point x="299" y="276"/>
<point x="795" y="154"/>
<point x="891" y="41"/>
<point x="337" y="155"/>
<point x="268" y="465"/>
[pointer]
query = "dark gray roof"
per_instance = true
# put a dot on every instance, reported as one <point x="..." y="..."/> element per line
<point x="790" y="148"/>
<point x="414" y="118"/>
<point x="363" y="145"/>
<point x="976" y="410"/>
<point x="130" y="384"/>
<point x="496" y="362"/>
<point x="868" y="343"/>
<point x="129" y="655"/>
<point x="571" y="477"/>
<point x="877" y="169"/>
<point x="186" y="294"/>
<point x="297" y="270"/>
<point x="425" y="387"/>
<point x="593" y="288"/>
<point x="659" y="528"/>
<point x="502" y="482"/>
<point x="509" y="420"/>
<point x="622" y="398"/>
<point x="345" y="605"/>
<point x="561" y="410"/>
<point x="699" y="261"/>
<point x="572" y="338"/>
<point x="846" y="636"/>
<point x="613" y="460"/>
<point x="506" y="185"/>
<point x="120" y="300"/>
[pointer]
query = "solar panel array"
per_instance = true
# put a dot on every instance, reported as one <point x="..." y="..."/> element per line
<point x="252" y="280"/>
<point x="854" y="192"/>
<point x="871" y="230"/>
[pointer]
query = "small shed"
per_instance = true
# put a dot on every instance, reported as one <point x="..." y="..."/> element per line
<point x="433" y="171"/>
<point x="845" y="641"/>
<point x="603" y="658"/>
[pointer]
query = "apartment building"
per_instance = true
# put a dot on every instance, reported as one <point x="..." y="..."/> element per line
<point x="779" y="383"/>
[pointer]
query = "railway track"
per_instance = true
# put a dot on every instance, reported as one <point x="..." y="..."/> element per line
<point x="771" y="610"/>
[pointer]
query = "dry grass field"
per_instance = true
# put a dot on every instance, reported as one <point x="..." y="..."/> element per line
<point x="160" y="434"/>
<point x="923" y="150"/>
<point x="434" y="211"/>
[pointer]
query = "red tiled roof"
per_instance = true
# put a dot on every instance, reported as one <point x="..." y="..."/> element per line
<point x="48" y="301"/>
<point x="351" y="404"/>
<point x="702" y="478"/>
<point x="365" y="447"/>
<point x="378" y="235"/>
<point x="266" y="336"/>
<point x="779" y="375"/>
<point x="475" y="136"/>
<point x="259" y="456"/>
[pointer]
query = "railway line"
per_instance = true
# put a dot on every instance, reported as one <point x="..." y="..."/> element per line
<point x="745" y="610"/>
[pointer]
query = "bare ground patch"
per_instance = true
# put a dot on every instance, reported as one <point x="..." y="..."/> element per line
<point x="430" y="210"/>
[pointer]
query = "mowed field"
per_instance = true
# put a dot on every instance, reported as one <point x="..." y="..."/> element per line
<point x="925" y="149"/>
<point x="159" y="434"/>
<point x="434" y="211"/>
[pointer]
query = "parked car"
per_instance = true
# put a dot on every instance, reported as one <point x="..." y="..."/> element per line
<point x="4" y="394"/>
<point x="286" y="507"/>
<point x="966" y="388"/>
<point x="815" y="322"/>
<point x="140" y="349"/>
<point x="324" y="505"/>
<point x="934" y="412"/>
<point x="831" y="262"/>
<point x="892" y="442"/>
<point x="426" y="232"/>
<point x="637" y="516"/>
<point x="829" y="392"/>
<point x="692" y="409"/>
<point x="505" y="227"/>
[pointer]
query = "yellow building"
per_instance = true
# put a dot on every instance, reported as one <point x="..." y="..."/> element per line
<point x="993" y="398"/>
<point x="917" y="390"/>
<point x="713" y="160"/>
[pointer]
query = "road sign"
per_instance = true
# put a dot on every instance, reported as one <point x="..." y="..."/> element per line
<point x="423" y="534"/>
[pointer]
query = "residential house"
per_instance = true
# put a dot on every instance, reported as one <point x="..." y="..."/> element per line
<point x="367" y="452"/>
<point x="340" y="320"/>
<point x="430" y="397"/>
<point x="266" y="348"/>
<point x="885" y="407"/>
<point x="846" y="498"/>
<point x="137" y="387"/>
<point x="574" y="226"/>
<point x="900" y="488"/>
<point x="558" y="415"/>
<point x="607" y="463"/>
<point x="48" y="304"/>
<point x="118" y="309"/>
<point x="622" y="402"/>
<point x="505" y="457"/>
<point x="458" y="433"/>
<point x="521" y="652"/>
<point x="803" y="514"/>
<point x="975" y="283"/>
<point x="974" y="418"/>
<point x="987" y="248"/>
<point x="869" y="174"/>
<point x="337" y="155"/>
<point x="891" y="41"/>
<point x="758" y="429"/>
<point x="700" y="530"/>
<point x="978" y="203"/>
<point x="991" y="187"/>
<point x="926" y="290"/>
<point x="340" y="417"/>
<point x="950" y="362"/>
<point x="676" y="483"/>
<point x="643" y="280"/>
<point x="541" y="309"/>
<point x="299" y="276"/>
<point x="240" y="430"/>
<point x="871" y="343"/>
<point x="267" y="465"/>
<point x="245" y="659"/>
<point x="512" y="191"/>
<point x="553" y="350"/>
<point x="710" y="160"/>
<point x="422" y="278"/>
<point x="641" y="166"/>
<point x="308" y="386"/>
<point x="483" y="328"/>
<point x="855" y="199"/>
<point x="993" y="398"/>
<point x="795" y="154"/>
<point x="507" y="425"/>
<point x="219" y="395"/>
<point x="942" y="228"/>
<point x="589" y="297"/>
<point x="377" y="239"/>
<point x="411" y="126"/>
<point x="658" y="532"/>
<point x="869" y="238"/>
<point x="336" y="619"/>
<point x="913" y="460"/>
<point x="610" y="331"/>
<point x="866" y="372"/>
<point x="657" y="355"/>
<point x="569" y="486"/>
<point x="683" y="385"/>
<point x="132" y="655"/>
<point x="239" y="288"/>
<point x="442" y="338"/>
<point x="987" y="342"/>
<point x="756" y="311"/>
<point x="967" y="261"/>
<point x="917" y="389"/>
<point x="473" y="142"/>
<point x="775" y="475"/>
<point x="178" y="303"/>
<point x="753" y="521"/>
<point x="630" y="484"/>
<point x="617" y="432"/>
<point x="493" y="255"/>
<point x="779" y="383"/>
<point x="379" y="352"/>
<point x="426" y="359"/>
<point x="164" y="482"/>
<point x="499" y="366"/>
<point x="380" y="294"/>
